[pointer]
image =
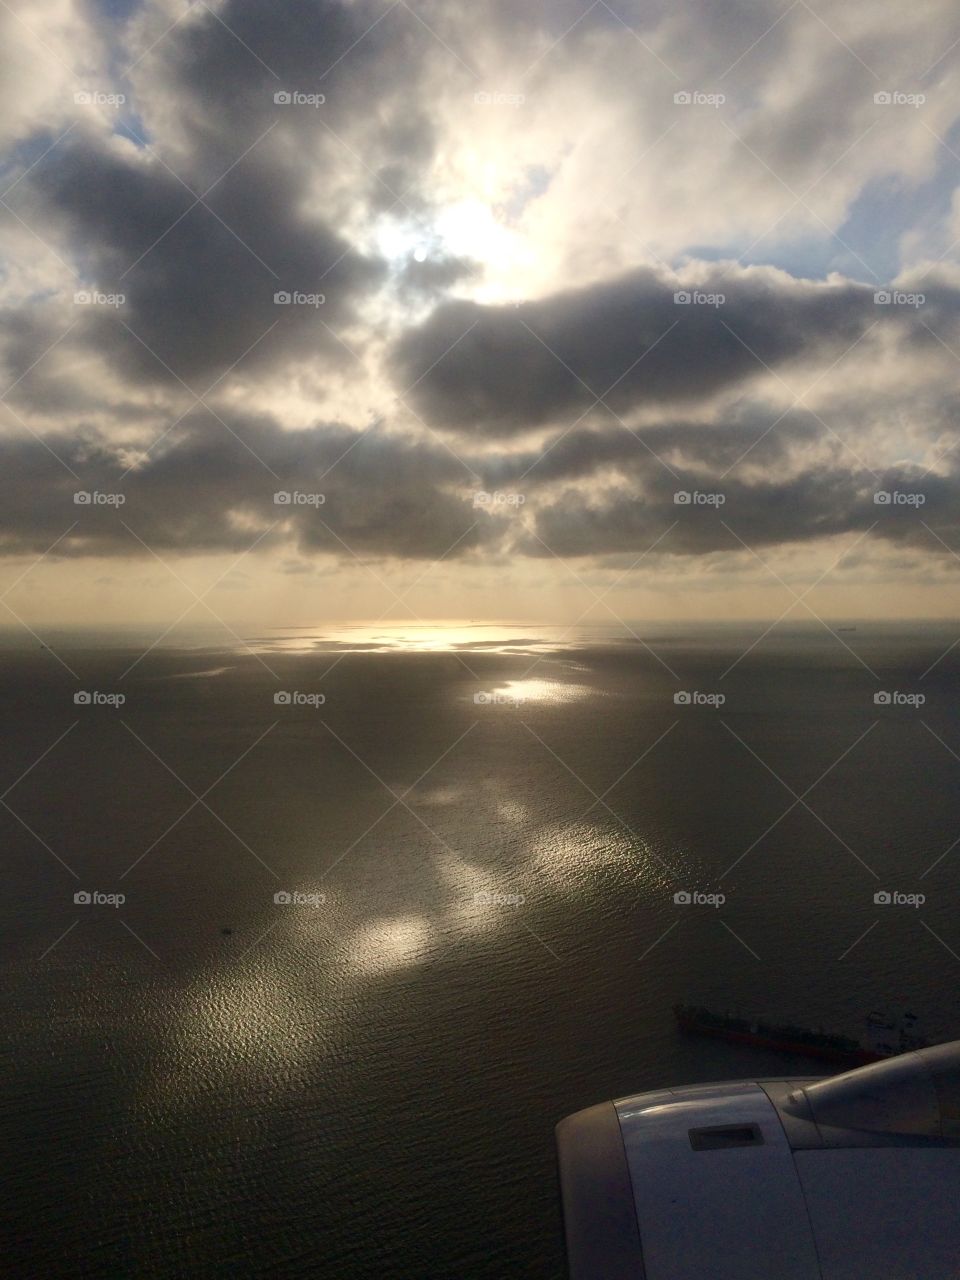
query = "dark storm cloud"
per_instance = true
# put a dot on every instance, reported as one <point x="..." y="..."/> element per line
<point x="501" y="370"/>
<point x="211" y="488"/>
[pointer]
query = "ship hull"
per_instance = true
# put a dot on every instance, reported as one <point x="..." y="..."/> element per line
<point x="824" y="1053"/>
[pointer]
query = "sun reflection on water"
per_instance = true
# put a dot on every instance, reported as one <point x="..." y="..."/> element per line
<point x="385" y="945"/>
<point x="522" y="691"/>
<point x="433" y="637"/>
<point x="258" y="1011"/>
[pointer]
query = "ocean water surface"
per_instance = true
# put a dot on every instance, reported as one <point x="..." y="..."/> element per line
<point x="396" y="901"/>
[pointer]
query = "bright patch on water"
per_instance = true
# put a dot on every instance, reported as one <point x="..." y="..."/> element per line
<point x="543" y="691"/>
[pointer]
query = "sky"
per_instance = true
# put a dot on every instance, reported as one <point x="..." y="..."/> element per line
<point x="400" y="312"/>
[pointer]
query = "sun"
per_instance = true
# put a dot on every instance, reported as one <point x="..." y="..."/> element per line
<point x="471" y="229"/>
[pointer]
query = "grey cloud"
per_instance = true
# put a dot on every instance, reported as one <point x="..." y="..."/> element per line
<point x="434" y="275"/>
<point x="198" y="297"/>
<point x="811" y="505"/>
<point x="209" y="489"/>
<point x="218" y="76"/>
<point x="504" y="370"/>
<point x="288" y="178"/>
<point x="753" y="432"/>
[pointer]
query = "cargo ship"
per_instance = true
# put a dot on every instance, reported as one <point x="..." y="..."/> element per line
<point x="886" y="1036"/>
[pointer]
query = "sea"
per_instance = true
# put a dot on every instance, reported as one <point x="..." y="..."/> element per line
<point x="310" y="938"/>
